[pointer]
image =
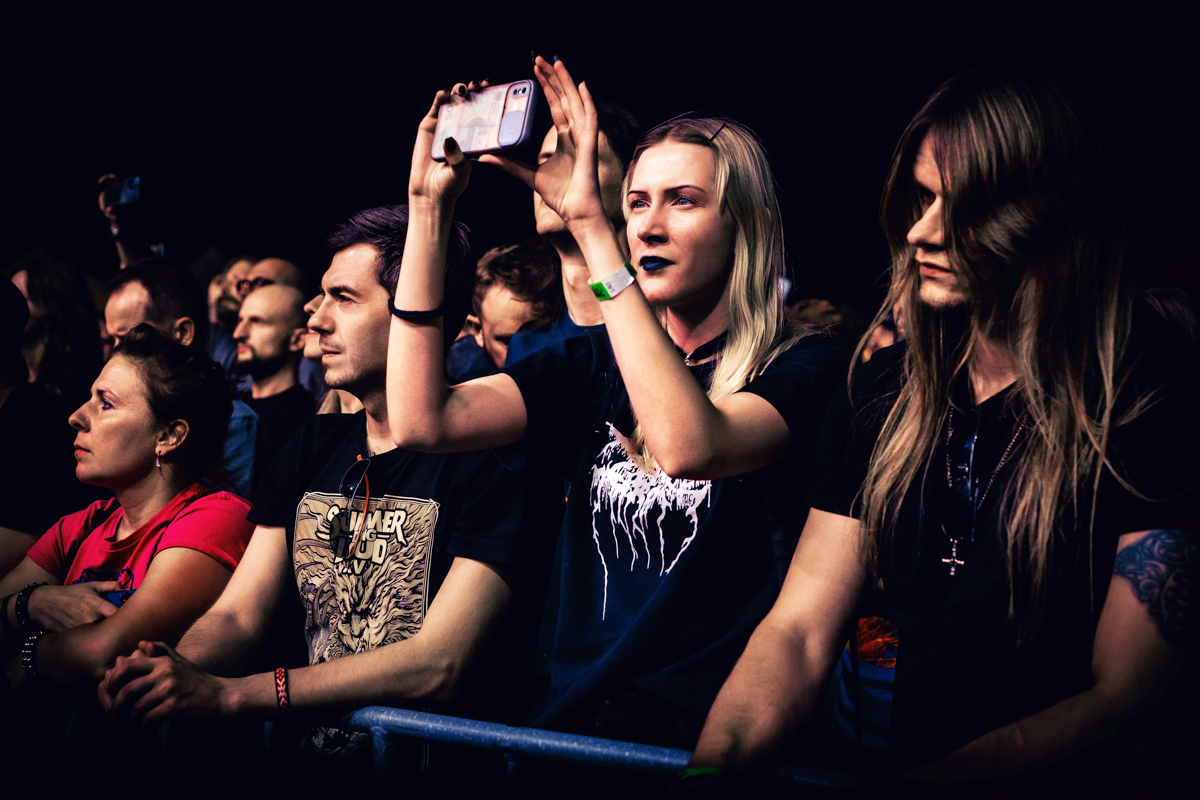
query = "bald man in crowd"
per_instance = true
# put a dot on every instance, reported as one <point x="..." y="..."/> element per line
<point x="270" y="347"/>
<point x="281" y="272"/>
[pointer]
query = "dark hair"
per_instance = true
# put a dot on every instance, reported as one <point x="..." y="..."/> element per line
<point x="621" y="128"/>
<point x="174" y="294"/>
<point x="184" y="384"/>
<point x="65" y="317"/>
<point x="530" y="270"/>
<point x="385" y="229"/>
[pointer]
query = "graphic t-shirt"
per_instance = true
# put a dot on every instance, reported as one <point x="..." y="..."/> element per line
<point x="412" y="515"/>
<point x="659" y="582"/>
<point x="966" y="664"/>
<point x="79" y="548"/>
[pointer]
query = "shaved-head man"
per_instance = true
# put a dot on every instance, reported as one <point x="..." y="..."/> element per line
<point x="270" y="346"/>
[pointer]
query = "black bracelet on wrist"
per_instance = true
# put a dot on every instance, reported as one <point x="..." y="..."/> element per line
<point x="22" y="606"/>
<point x="9" y="633"/>
<point x="29" y="652"/>
<point x="432" y="313"/>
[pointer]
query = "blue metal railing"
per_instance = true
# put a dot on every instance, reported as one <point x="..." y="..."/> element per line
<point x="384" y="724"/>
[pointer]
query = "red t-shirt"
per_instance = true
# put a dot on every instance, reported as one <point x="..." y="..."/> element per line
<point x="80" y="547"/>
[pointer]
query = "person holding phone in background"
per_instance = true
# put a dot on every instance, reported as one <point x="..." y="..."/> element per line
<point x="674" y="435"/>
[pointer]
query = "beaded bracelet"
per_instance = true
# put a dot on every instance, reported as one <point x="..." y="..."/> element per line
<point x="281" y="690"/>
<point x="29" y="652"/>
<point x="22" y="605"/>
<point x="9" y="633"/>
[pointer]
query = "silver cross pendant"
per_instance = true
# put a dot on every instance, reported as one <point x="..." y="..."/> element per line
<point x="954" y="561"/>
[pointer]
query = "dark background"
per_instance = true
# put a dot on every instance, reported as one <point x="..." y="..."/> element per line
<point x="258" y="134"/>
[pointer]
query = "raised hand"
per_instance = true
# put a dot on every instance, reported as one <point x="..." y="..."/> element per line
<point x="568" y="181"/>
<point x="60" y="608"/>
<point x="432" y="181"/>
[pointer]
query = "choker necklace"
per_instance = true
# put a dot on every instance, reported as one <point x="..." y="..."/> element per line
<point x="967" y="487"/>
<point x="705" y="351"/>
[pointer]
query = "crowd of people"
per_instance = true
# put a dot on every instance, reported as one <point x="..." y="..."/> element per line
<point x="621" y="480"/>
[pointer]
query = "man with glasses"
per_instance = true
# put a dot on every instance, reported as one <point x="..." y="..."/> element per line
<point x="270" y="271"/>
<point x="402" y="560"/>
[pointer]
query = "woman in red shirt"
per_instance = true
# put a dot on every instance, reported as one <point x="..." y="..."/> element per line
<point x="147" y="563"/>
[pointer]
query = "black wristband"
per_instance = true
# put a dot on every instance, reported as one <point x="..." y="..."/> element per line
<point x="9" y="633"/>
<point x="415" y="316"/>
<point x="29" y="652"/>
<point x="22" y="606"/>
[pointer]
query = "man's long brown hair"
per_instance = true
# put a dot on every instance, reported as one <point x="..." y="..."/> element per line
<point x="1036" y="246"/>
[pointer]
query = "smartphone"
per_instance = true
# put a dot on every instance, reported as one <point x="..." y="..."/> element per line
<point x="121" y="191"/>
<point x="495" y="118"/>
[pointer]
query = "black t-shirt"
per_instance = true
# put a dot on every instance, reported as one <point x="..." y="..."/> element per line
<point x="424" y="510"/>
<point x="659" y="582"/>
<point x="279" y="417"/>
<point x="974" y="656"/>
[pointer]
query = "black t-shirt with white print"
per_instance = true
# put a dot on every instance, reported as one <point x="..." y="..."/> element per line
<point x="972" y="655"/>
<point x="423" y="511"/>
<point x="659" y="582"/>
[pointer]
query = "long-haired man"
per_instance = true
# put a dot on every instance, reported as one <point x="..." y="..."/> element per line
<point x="1019" y="477"/>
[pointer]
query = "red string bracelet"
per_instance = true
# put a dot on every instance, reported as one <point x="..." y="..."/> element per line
<point x="281" y="689"/>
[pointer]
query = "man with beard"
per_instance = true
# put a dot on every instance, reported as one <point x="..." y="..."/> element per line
<point x="270" y="346"/>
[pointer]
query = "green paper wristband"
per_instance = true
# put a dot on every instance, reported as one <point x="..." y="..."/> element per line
<point x="614" y="284"/>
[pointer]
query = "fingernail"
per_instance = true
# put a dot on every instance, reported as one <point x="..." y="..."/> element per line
<point x="556" y="59"/>
<point x="449" y="142"/>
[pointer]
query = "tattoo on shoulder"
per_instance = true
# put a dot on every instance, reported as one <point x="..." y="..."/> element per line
<point x="1163" y="567"/>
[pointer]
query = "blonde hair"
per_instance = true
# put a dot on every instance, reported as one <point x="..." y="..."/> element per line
<point x="758" y="328"/>
<point x="1036" y="247"/>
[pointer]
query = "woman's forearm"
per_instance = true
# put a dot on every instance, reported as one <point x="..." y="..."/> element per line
<point x="775" y="684"/>
<point x="77" y="653"/>
<point x="680" y="423"/>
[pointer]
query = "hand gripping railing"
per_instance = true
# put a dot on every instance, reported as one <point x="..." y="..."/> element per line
<point x="385" y="724"/>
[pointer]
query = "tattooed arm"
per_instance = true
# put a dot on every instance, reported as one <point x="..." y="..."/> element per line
<point x="1148" y="618"/>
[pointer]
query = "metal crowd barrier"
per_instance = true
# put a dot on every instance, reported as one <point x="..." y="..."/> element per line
<point x="385" y="724"/>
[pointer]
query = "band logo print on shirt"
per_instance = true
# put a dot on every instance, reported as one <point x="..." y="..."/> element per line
<point x="383" y="596"/>
<point x="657" y="516"/>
